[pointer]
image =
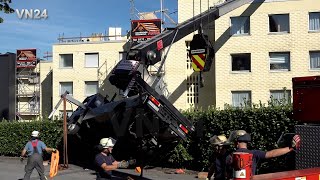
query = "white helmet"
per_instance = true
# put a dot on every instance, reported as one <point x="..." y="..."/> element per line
<point x="107" y="142"/>
<point x="35" y="134"/>
<point x="218" y="140"/>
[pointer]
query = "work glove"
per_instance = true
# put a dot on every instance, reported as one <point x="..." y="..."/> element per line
<point x="295" y="143"/>
<point x="21" y="158"/>
<point x="123" y="164"/>
<point x="132" y="162"/>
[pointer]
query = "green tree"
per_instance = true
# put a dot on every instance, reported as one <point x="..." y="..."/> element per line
<point x="4" y="6"/>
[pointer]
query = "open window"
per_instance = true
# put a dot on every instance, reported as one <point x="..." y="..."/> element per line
<point x="279" y="23"/>
<point x="241" y="62"/>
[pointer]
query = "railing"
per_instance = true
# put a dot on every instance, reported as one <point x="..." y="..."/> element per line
<point x="29" y="109"/>
<point x="87" y="39"/>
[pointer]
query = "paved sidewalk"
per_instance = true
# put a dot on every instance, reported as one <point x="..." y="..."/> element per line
<point x="13" y="169"/>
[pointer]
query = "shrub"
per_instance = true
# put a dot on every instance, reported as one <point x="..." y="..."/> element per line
<point x="14" y="135"/>
<point x="264" y="123"/>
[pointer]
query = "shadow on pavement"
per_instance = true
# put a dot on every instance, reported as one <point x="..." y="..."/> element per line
<point x="122" y="175"/>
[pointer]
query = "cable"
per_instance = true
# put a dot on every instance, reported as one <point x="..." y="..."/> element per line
<point x="208" y="18"/>
<point x="194" y="26"/>
<point x="200" y="13"/>
<point x="200" y="6"/>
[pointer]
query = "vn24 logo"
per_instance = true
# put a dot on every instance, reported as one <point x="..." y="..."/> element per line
<point x="32" y="13"/>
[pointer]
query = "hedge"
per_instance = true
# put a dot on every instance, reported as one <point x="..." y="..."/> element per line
<point x="265" y="123"/>
<point x="14" y="135"/>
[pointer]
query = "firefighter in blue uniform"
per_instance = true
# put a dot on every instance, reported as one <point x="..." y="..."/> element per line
<point x="33" y="149"/>
<point x="104" y="161"/>
<point x="219" y="168"/>
<point x="241" y="139"/>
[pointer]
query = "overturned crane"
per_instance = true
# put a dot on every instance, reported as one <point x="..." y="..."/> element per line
<point x="145" y="122"/>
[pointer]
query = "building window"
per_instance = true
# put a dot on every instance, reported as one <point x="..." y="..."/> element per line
<point x="91" y="87"/>
<point x="241" y="62"/>
<point x="66" y="60"/>
<point x="241" y="98"/>
<point x="280" y="61"/>
<point x="91" y="60"/>
<point x="315" y="60"/>
<point x="280" y="96"/>
<point x="193" y="87"/>
<point x="66" y="86"/>
<point x="279" y="23"/>
<point x="314" y="21"/>
<point x="240" y="25"/>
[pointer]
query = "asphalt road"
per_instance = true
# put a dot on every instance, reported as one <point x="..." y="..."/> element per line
<point x="13" y="169"/>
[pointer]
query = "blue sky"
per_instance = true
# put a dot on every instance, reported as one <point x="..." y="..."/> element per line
<point x="68" y="17"/>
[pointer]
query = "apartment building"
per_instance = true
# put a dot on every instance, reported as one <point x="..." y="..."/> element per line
<point x="259" y="47"/>
<point x="82" y="66"/>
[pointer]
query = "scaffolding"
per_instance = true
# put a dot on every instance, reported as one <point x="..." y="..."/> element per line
<point x="27" y="85"/>
<point x="156" y="71"/>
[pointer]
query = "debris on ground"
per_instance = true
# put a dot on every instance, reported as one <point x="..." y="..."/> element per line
<point x="202" y="175"/>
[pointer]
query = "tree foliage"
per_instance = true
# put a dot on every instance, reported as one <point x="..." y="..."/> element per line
<point x="5" y="7"/>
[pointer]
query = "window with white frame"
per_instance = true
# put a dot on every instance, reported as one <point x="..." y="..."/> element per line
<point x="240" y="25"/>
<point x="280" y="96"/>
<point x="315" y="60"/>
<point x="279" y="23"/>
<point x="314" y="21"/>
<point x="241" y="62"/>
<point x="193" y="88"/>
<point x="91" y="87"/>
<point x="66" y="60"/>
<point x="279" y="61"/>
<point x="66" y="86"/>
<point x="241" y="98"/>
<point x="91" y="60"/>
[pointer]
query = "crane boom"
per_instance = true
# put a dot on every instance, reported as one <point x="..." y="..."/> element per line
<point x="185" y="28"/>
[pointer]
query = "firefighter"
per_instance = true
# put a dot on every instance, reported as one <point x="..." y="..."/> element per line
<point x="241" y="139"/>
<point x="219" y="166"/>
<point x="104" y="161"/>
<point x="34" y="149"/>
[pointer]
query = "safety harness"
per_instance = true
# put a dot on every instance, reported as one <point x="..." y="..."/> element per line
<point x="34" y="145"/>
